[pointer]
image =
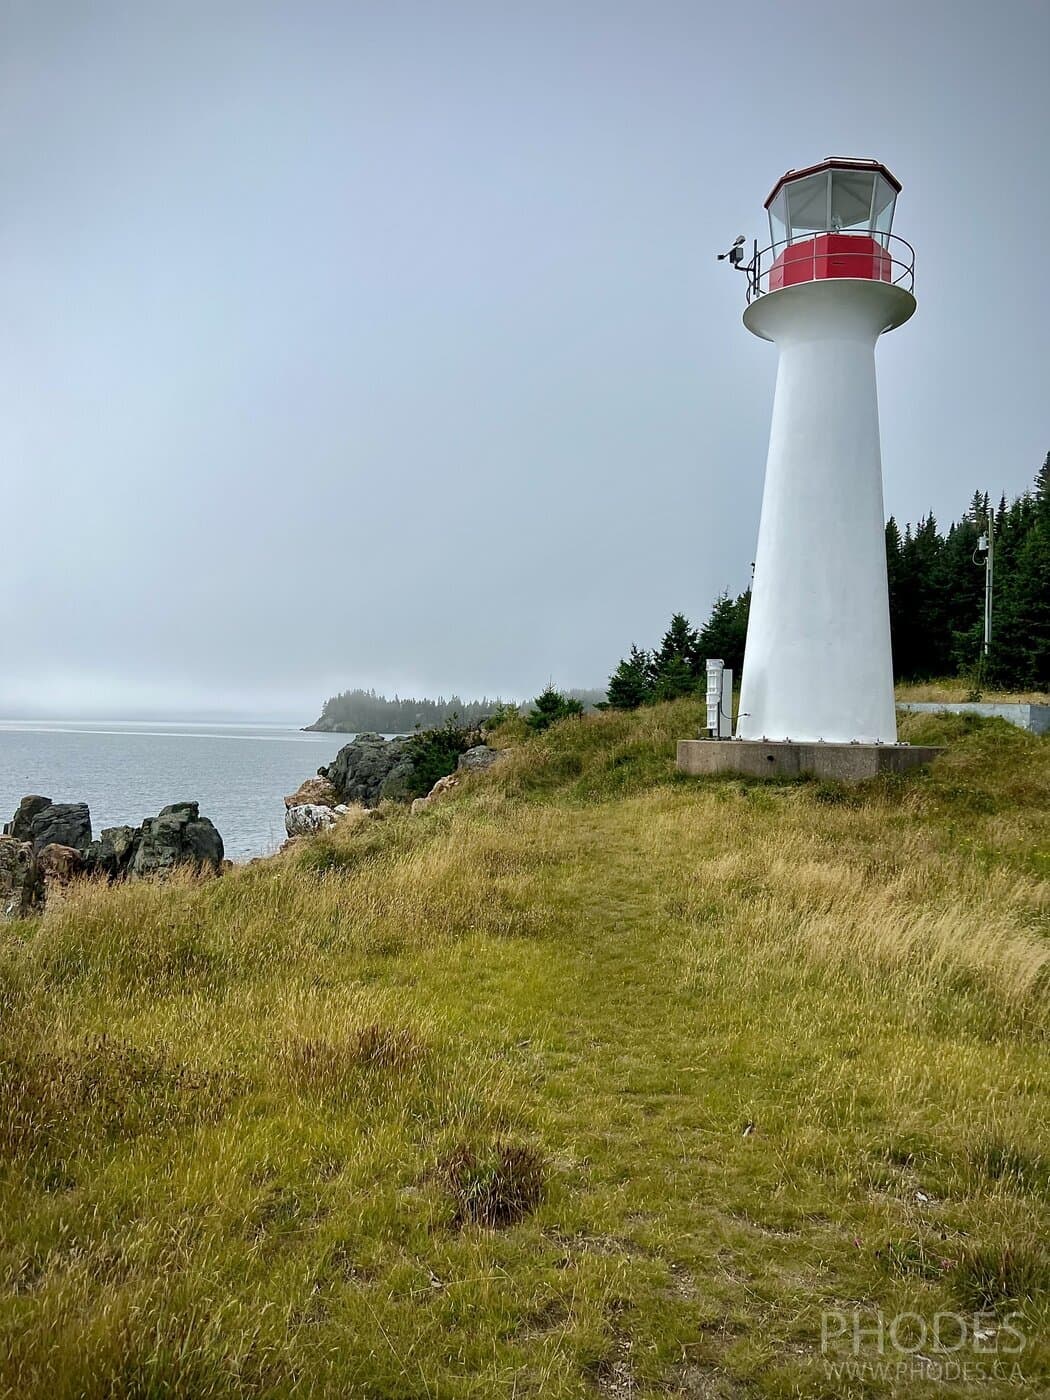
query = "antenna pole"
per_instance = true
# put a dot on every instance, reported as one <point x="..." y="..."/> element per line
<point x="989" y="569"/>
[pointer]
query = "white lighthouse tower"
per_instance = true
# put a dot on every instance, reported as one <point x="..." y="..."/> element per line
<point x="817" y="665"/>
<point x="818" y="672"/>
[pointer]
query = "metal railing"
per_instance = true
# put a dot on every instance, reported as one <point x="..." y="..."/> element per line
<point x="884" y="258"/>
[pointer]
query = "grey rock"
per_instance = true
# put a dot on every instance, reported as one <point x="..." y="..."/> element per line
<point x="20" y="886"/>
<point x="308" y="818"/>
<point x="448" y="783"/>
<point x="317" y="791"/>
<point x="112" y="854"/>
<point x="178" y="835"/>
<point x="62" y="824"/>
<point x="397" y="785"/>
<point x="360" y="769"/>
<point x="21" y="824"/>
<point x="477" y="759"/>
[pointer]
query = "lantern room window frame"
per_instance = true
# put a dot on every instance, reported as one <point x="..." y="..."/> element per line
<point x="881" y="206"/>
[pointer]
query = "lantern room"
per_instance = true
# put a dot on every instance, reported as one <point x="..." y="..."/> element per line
<point x="832" y="220"/>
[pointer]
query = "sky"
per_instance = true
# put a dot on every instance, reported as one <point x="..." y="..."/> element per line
<point x="383" y="343"/>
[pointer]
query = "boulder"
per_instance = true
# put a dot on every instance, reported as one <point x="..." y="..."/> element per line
<point x="178" y="835"/>
<point x="308" y="818"/>
<point x="112" y="854"/>
<point x="397" y="785"/>
<point x="360" y="768"/>
<point x="314" y="792"/>
<point x="61" y="824"/>
<point x="21" y="824"/>
<point x="477" y="759"/>
<point x="19" y="878"/>
<point x="442" y="786"/>
<point x="59" y="867"/>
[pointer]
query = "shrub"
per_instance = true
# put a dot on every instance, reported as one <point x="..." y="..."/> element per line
<point x="435" y="753"/>
<point x="550" y="707"/>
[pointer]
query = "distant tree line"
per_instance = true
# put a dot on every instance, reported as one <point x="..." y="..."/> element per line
<point x="360" y="711"/>
<point x="936" y="589"/>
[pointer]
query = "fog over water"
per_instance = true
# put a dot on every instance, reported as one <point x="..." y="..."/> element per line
<point x="383" y="344"/>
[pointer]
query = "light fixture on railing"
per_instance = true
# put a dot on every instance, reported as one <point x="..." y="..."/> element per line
<point x="735" y="254"/>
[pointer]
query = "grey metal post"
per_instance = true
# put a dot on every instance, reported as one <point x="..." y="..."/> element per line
<point x="989" y="568"/>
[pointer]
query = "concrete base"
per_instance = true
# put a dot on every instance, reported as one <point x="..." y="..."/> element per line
<point x="1035" y="718"/>
<point x="754" y="758"/>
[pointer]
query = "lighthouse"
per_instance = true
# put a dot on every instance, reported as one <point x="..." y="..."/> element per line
<point x="817" y="664"/>
<point x="817" y="688"/>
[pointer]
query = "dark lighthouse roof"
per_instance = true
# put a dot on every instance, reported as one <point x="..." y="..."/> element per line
<point x="833" y="163"/>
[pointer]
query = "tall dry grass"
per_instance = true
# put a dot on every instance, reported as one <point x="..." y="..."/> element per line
<point x="955" y="689"/>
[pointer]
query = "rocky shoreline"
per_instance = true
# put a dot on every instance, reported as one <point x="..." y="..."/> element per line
<point x="46" y="846"/>
<point x="365" y="772"/>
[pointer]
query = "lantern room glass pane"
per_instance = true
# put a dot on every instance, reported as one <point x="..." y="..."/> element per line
<point x="851" y="198"/>
<point x="807" y="206"/>
<point x="885" y="200"/>
<point x="778" y="222"/>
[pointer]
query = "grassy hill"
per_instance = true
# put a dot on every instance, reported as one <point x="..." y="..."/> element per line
<point x="589" y="1081"/>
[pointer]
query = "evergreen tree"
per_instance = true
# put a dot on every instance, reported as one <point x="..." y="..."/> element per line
<point x="550" y="707"/>
<point x="676" y="664"/>
<point x="676" y="678"/>
<point x="629" y="685"/>
<point x="725" y="631"/>
<point x="958" y="583"/>
<point x="895" y="582"/>
<point x="920" y="647"/>
<point x="1020" y="654"/>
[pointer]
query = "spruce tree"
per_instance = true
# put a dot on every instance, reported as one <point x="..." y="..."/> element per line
<point x="958" y="583"/>
<point x="725" y="631"/>
<point x="675" y="666"/>
<point x="551" y="706"/>
<point x="676" y="678"/>
<point x="895" y="582"/>
<point x="629" y="685"/>
<point x="1020" y="656"/>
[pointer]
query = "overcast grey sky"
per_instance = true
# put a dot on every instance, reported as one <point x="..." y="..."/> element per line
<point x="383" y="343"/>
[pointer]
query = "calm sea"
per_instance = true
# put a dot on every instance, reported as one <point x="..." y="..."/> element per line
<point x="239" y="773"/>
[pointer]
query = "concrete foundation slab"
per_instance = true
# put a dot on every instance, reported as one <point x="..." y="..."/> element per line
<point x="755" y="758"/>
<point x="1035" y="718"/>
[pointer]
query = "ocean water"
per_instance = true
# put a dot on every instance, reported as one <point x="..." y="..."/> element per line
<point x="125" y="771"/>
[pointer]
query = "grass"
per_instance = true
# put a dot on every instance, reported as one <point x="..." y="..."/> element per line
<point x="589" y="1080"/>
<point x="957" y="688"/>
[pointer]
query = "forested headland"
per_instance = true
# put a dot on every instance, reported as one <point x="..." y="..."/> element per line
<point x="361" y="711"/>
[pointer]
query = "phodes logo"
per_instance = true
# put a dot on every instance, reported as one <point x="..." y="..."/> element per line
<point x="861" y="1344"/>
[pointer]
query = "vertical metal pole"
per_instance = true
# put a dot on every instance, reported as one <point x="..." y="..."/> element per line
<point x="989" y="567"/>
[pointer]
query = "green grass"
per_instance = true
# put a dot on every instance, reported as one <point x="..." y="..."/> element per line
<point x="589" y="1080"/>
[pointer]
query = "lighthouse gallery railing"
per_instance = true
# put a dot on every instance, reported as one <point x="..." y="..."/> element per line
<point x="894" y="256"/>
